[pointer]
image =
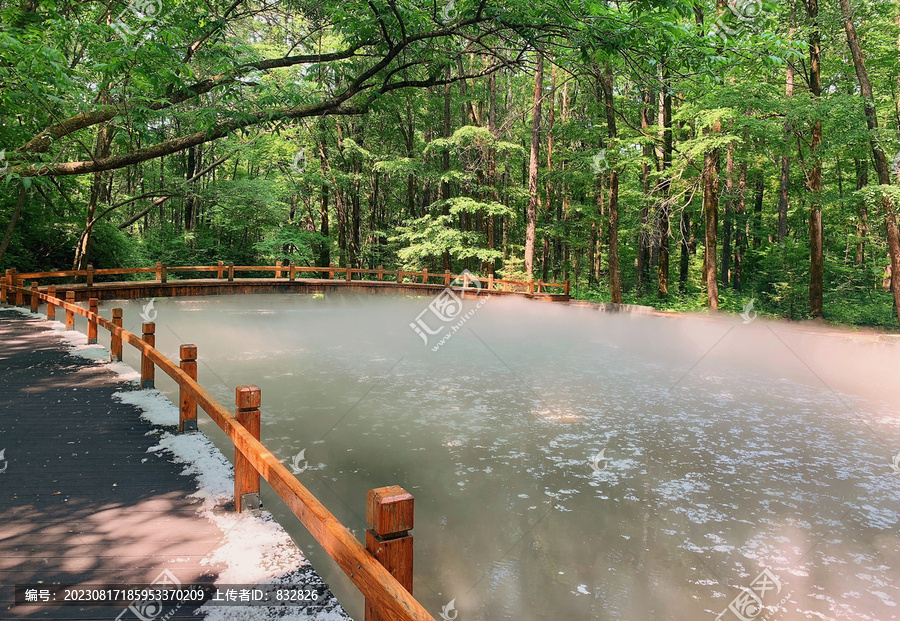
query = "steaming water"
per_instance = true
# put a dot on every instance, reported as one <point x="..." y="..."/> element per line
<point x="727" y="449"/>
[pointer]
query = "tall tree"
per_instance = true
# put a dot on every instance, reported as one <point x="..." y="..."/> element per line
<point x="615" y="285"/>
<point x="531" y="214"/>
<point x="814" y="174"/>
<point x="882" y="168"/>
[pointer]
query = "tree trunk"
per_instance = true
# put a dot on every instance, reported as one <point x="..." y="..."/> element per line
<point x="531" y="214"/>
<point x="727" y="221"/>
<point x="643" y="258"/>
<point x="710" y="179"/>
<point x="615" y="285"/>
<point x="882" y="168"/>
<point x="684" y="260"/>
<point x="814" y="180"/>
<point x="664" y="156"/>
<point x="784" y="187"/>
<point x="862" y="228"/>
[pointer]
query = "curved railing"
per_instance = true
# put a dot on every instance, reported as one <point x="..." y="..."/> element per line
<point x="226" y="272"/>
<point x="381" y="570"/>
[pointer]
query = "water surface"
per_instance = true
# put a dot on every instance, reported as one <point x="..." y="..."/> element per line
<point x="727" y="449"/>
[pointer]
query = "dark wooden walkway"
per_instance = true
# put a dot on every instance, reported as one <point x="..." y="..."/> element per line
<point x="81" y="499"/>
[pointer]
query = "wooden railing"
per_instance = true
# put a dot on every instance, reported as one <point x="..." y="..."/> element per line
<point x="381" y="570"/>
<point x="227" y="271"/>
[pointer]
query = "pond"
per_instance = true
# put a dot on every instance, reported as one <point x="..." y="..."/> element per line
<point x="573" y="464"/>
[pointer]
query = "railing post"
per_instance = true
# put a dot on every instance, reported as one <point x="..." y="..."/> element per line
<point x="4" y="285"/>
<point x="70" y="314"/>
<point x="20" y="285"/>
<point x="231" y="271"/>
<point x="148" y="335"/>
<point x="349" y="274"/>
<point x="567" y="288"/>
<point x="465" y="281"/>
<point x="389" y="515"/>
<point x="92" y="321"/>
<point x="246" y="479"/>
<point x="89" y="275"/>
<point x="446" y="278"/>
<point x="51" y="307"/>
<point x="425" y="276"/>
<point x="164" y="274"/>
<point x="506" y="286"/>
<point x="278" y="269"/>
<point x="399" y="275"/>
<point x="490" y="282"/>
<point x="293" y="273"/>
<point x="11" y="282"/>
<point x="35" y="300"/>
<point x="380" y="272"/>
<point x="331" y="271"/>
<point x="531" y="287"/>
<point x="159" y="271"/>
<point x="187" y="420"/>
<point x="539" y="285"/>
<point x="219" y="269"/>
<point x="115" y="341"/>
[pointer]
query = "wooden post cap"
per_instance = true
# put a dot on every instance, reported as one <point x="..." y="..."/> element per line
<point x="188" y="352"/>
<point x="389" y="511"/>
<point x="117" y="312"/>
<point x="247" y="397"/>
<point x="148" y="328"/>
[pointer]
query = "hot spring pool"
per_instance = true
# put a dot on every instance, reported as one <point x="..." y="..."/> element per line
<point x="570" y="464"/>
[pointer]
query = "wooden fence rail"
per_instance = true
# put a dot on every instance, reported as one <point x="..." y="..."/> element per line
<point x="289" y="272"/>
<point x="386" y="587"/>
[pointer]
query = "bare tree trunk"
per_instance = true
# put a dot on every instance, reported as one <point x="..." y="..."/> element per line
<point x="882" y="167"/>
<point x="531" y="214"/>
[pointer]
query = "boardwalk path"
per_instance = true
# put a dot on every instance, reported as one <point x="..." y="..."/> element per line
<point x="83" y="501"/>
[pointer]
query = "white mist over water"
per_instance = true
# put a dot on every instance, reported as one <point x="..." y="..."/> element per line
<point x="728" y="448"/>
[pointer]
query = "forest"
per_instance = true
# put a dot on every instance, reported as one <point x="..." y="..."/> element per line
<point x="681" y="154"/>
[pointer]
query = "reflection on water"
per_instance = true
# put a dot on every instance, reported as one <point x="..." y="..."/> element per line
<point x="727" y="448"/>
